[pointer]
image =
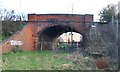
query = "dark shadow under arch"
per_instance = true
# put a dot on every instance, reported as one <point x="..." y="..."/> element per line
<point x="51" y="34"/>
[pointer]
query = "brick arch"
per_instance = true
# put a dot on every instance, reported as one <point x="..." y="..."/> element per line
<point x="38" y="23"/>
<point x="64" y="26"/>
<point x="43" y="23"/>
<point x="50" y="34"/>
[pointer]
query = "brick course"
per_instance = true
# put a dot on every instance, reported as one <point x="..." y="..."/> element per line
<point x="29" y="35"/>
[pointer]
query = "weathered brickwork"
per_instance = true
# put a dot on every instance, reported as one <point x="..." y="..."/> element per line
<point x="24" y="36"/>
<point x="39" y="24"/>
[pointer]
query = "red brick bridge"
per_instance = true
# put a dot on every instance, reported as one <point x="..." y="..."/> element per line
<point x="47" y="28"/>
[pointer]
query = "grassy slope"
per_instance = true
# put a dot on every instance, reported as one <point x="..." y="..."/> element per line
<point x="46" y="60"/>
<point x="33" y="60"/>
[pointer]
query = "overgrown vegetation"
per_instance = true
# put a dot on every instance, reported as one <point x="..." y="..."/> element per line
<point x="17" y="49"/>
<point x="107" y="13"/>
<point x="103" y="41"/>
<point x="49" y="60"/>
<point x="11" y="23"/>
<point x="9" y="28"/>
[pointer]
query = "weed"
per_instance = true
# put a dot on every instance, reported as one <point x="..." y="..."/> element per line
<point x="17" y="49"/>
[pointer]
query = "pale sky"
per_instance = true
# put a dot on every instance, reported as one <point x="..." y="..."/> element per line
<point x="76" y="36"/>
<point x="57" y="6"/>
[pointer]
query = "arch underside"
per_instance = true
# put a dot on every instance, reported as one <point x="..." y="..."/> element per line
<point x="50" y="35"/>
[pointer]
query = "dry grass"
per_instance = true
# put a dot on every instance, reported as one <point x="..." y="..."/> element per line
<point x="47" y="60"/>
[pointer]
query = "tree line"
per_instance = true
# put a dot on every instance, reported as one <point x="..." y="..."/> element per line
<point x="11" y="22"/>
<point x="107" y="13"/>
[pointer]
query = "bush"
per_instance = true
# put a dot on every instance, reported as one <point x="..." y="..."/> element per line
<point x="17" y="49"/>
<point x="63" y="46"/>
<point x="102" y="63"/>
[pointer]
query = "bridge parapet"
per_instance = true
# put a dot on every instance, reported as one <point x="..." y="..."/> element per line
<point x="47" y="27"/>
<point x="87" y="18"/>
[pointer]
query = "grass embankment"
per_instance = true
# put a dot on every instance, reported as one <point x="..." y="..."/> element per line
<point x="32" y="60"/>
<point x="44" y="60"/>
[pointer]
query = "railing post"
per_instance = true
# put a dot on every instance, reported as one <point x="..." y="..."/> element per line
<point x="41" y="45"/>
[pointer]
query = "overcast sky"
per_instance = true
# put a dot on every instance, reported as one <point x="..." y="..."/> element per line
<point x="57" y="6"/>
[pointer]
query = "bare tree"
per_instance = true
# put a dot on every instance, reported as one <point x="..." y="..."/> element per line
<point x="9" y="15"/>
<point x="11" y="21"/>
<point x="6" y="15"/>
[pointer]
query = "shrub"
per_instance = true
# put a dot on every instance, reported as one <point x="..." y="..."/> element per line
<point x="102" y="63"/>
<point x="17" y="49"/>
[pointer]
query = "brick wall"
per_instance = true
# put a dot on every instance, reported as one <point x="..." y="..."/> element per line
<point x="25" y="35"/>
<point x="28" y="35"/>
<point x="61" y="17"/>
